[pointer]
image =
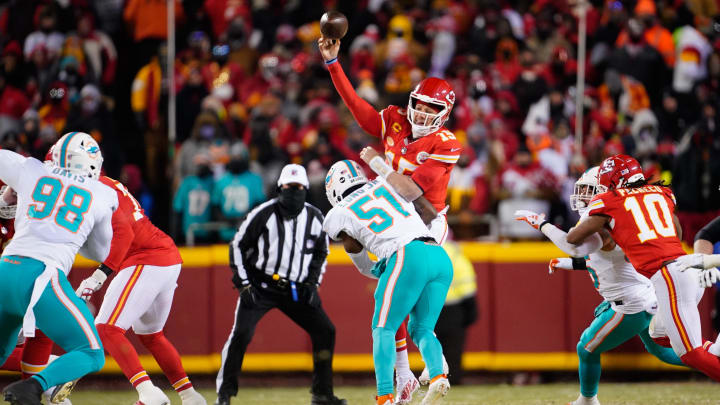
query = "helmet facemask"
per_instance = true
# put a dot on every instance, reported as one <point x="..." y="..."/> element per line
<point x="582" y="195"/>
<point x="424" y="123"/>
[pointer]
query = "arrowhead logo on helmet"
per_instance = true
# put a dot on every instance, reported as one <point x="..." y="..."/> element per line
<point x="619" y="171"/>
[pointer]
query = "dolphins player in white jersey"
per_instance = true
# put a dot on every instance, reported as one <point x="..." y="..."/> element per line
<point x="61" y="209"/>
<point x="629" y="298"/>
<point x="413" y="271"/>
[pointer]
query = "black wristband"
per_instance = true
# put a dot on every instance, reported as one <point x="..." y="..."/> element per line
<point x="541" y="225"/>
<point x="105" y="269"/>
<point x="578" y="263"/>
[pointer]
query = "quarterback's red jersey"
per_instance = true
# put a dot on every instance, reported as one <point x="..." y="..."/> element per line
<point x="135" y="239"/>
<point x="642" y="224"/>
<point x="427" y="160"/>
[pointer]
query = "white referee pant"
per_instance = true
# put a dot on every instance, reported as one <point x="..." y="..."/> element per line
<point x="140" y="297"/>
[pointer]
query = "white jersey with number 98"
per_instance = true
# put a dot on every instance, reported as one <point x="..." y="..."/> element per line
<point x="377" y="217"/>
<point x="58" y="212"/>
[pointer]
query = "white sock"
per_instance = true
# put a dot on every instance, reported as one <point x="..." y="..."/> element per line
<point x="187" y="393"/>
<point x="145" y="386"/>
<point x="714" y="349"/>
<point x="402" y="365"/>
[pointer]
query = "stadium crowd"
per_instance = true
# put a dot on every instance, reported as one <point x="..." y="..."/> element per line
<point x="253" y="94"/>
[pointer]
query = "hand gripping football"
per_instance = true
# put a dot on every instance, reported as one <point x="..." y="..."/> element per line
<point x="333" y="25"/>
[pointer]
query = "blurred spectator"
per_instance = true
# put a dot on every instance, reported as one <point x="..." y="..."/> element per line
<point x="191" y="203"/>
<point x="46" y="34"/>
<point x="131" y="177"/>
<point x="11" y="66"/>
<point x="147" y="21"/>
<point x="99" y="49"/>
<point x="267" y="77"/>
<point x="654" y="33"/>
<point x="223" y="12"/>
<point x="399" y="42"/>
<point x="692" y="53"/>
<point x="236" y="192"/>
<point x="90" y="115"/>
<point x="30" y="132"/>
<point x="13" y="104"/>
<point x="223" y="78"/>
<point x="57" y="107"/>
<point x="196" y="149"/>
<point x="696" y="175"/>
<point x="189" y="100"/>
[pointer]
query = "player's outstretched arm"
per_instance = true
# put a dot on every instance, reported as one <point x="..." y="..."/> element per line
<point x="365" y="115"/>
<point x="404" y="185"/>
<point x="424" y="208"/>
<point x="591" y="243"/>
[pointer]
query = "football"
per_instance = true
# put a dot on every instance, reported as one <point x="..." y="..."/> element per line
<point x="333" y="25"/>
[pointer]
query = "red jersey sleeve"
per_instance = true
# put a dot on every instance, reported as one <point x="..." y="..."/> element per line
<point x="439" y="162"/>
<point x="365" y="115"/>
<point x="123" y="236"/>
<point x="598" y="205"/>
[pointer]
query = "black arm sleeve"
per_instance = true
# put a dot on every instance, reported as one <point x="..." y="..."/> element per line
<point x="316" y="269"/>
<point x="579" y="263"/>
<point x="710" y="232"/>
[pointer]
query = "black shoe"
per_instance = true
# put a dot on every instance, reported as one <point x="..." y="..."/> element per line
<point x="25" y="392"/>
<point x="327" y="400"/>
<point x="222" y="400"/>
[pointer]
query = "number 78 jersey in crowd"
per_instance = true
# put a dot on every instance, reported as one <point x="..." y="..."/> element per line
<point x="641" y="224"/>
<point x="377" y="217"/>
<point x="58" y="212"/>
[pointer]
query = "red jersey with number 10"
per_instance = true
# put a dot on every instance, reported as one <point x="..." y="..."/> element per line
<point x="135" y="239"/>
<point x="428" y="160"/>
<point x="641" y="224"/>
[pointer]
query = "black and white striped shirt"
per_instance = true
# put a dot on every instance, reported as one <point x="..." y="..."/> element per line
<point x="293" y="248"/>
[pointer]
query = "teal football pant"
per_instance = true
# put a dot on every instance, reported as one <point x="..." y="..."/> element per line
<point x="59" y="313"/>
<point x="607" y="331"/>
<point x="415" y="281"/>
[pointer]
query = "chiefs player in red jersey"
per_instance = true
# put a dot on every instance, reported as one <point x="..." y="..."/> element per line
<point x="641" y="219"/>
<point x="140" y="296"/>
<point x="416" y="145"/>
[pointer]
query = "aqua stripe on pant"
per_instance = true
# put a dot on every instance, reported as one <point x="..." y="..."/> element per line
<point x="608" y="330"/>
<point x="59" y="313"/>
<point x="415" y="281"/>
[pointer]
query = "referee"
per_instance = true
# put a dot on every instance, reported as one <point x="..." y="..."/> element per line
<point x="277" y="259"/>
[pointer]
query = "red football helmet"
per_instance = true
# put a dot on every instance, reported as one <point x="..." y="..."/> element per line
<point x="618" y="171"/>
<point x="436" y="93"/>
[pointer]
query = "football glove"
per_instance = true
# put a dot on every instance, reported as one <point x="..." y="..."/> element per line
<point x="560" y="263"/>
<point x="534" y="219"/>
<point x="91" y="284"/>
<point x="694" y="260"/>
<point x="708" y="277"/>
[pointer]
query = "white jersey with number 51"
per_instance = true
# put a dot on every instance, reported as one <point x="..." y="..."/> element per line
<point x="377" y="217"/>
<point x="58" y="212"/>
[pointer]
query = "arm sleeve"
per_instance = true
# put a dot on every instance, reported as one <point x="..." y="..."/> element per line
<point x="363" y="263"/>
<point x="592" y="243"/>
<point x="365" y="115"/>
<point x="710" y="232"/>
<point x="318" y="263"/>
<point x="123" y="235"/>
<point x="10" y="171"/>
<point x="238" y="246"/>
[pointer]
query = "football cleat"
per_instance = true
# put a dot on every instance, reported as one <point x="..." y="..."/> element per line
<point x="61" y="392"/>
<point x="581" y="400"/>
<point x="327" y="400"/>
<point x="153" y="396"/>
<point x="222" y="400"/>
<point x="194" y="399"/>
<point x="24" y="392"/>
<point x="425" y="375"/>
<point x="406" y="387"/>
<point x="439" y="387"/>
<point x="384" y="399"/>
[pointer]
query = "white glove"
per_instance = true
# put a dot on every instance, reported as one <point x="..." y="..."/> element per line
<point x="708" y="277"/>
<point x="561" y="263"/>
<point x="694" y="260"/>
<point x="90" y="285"/>
<point x="532" y="218"/>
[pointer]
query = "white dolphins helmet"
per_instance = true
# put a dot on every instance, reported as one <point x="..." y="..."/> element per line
<point x="585" y="189"/>
<point x="79" y="153"/>
<point x="6" y="211"/>
<point x="342" y="176"/>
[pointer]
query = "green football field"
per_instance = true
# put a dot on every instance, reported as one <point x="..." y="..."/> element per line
<point x="679" y="393"/>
